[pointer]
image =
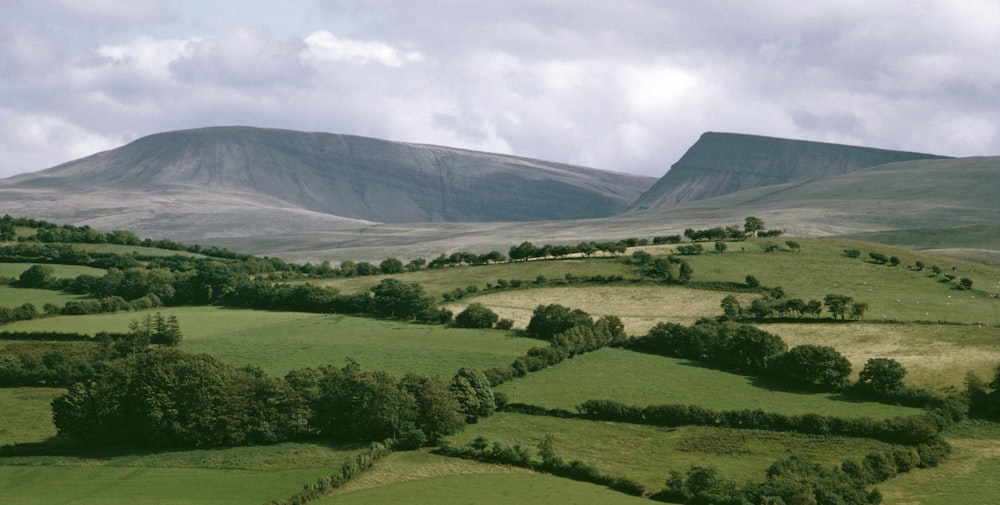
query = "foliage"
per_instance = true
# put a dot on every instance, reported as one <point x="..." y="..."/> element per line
<point x="476" y="315"/>
<point x="547" y="321"/>
<point x="472" y="390"/>
<point x="820" y="367"/>
<point x="883" y="376"/>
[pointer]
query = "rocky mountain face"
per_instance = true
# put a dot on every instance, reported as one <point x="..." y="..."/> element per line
<point x="352" y="179"/>
<point x="723" y="163"/>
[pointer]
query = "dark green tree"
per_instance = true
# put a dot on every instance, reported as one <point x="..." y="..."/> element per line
<point x="838" y="304"/>
<point x="720" y="247"/>
<point x="37" y="276"/>
<point x="476" y="315"/>
<point x="390" y="266"/>
<point x="395" y="298"/>
<point x="752" y="225"/>
<point x="882" y="375"/>
<point x="472" y="390"/>
<point x="815" y="366"/>
<point x="550" y="320"/>
<point x="731" y="306"/>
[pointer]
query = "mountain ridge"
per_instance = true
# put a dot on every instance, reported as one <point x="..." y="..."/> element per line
<point x="720" y="163"/>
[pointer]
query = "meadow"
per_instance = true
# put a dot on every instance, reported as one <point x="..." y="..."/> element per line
<point x="278" y="342"/>
<point x="644" y="379"/>
<point x="647" y="454"/>
<point x="14" y="270"/>
<point x="936" y="331"/>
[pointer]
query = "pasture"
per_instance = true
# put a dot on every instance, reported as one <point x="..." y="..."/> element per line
<point x="643" y="379"/>
<point x="237" y="475"/>
<point x="26" y="414"/>
<point x="14" y="270"/>
<point x="279" y="342"/>
<point x="11" y="296"/>
<point x="647" y="454"/>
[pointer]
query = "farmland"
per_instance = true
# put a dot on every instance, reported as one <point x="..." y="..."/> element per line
<point x="937" y="331"/>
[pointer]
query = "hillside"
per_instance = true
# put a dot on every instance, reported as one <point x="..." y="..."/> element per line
<point x="233" y="180"/>
<point x="723" y="163"/>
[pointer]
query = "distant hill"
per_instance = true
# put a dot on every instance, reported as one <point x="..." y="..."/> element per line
<point x="723" y="163"/>
<point x="233" y="179"/>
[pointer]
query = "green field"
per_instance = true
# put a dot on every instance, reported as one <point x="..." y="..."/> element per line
<point x="15" y="270"/>
<point x="279" y="342"/>
<point x="437" y="282"/>
<point x="14" y="297"/>
<point x="647" y="454"/>
<point x="236" y="475"/>
<point x="419" y="478"/>
<point x="26" y="415"/>
<point x="643" y="379"/>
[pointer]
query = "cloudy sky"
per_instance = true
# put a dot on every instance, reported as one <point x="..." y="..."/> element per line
<point x="620" y="85"/>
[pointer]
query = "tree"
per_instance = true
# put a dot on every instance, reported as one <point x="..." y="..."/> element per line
<point x="720" y="247"/>
<point x="395" y="298"/>
<point x="547" y="321"/>
<point x="793" y="245"/>
<point x="878" y="257"/>
<point x="752" y="225"/>
<point x="837" y="304"/>
<point x="751" y="282"/>
<point x="965" y="283"/>
<point x="858" y="310"/>
<point x="852" y="253"/>
<point x="812" y="365"/>
<point x="37" y="276"/>
<point x="438" y="413"/>
<point x="390" y="266"/>
<point x="476" y="315"/>
<point x="731" y="306"/>
<point x="471" y="389"/>
<point x="882" y="375"/>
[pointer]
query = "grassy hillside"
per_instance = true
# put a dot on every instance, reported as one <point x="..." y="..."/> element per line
<point x="937" y="331"/>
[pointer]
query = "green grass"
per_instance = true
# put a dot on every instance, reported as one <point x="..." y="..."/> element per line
<point x="891" y="292"/>
<point x="642" y="379"/>
<point x="474" y="487"/>
<point x="970" y="475"/>
<point x="14" y="297"/>
<point x="647" y="454"/>
<point x="60" y="271"/>
<point x="279" y="342"/>
<point x="26" y="414"/>
<point x="437" y="282"/>
<point x="233" y="475"/>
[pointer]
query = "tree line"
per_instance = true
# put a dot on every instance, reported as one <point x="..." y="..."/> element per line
<point x="163" y="397"/>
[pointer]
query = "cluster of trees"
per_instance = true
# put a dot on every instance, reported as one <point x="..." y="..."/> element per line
<point x="163" y="397"/>
<point x="792" y="480"/>
<point x="752" y="227"/>
<point x="85" y="357"/>
<point x="569" y="331"/>
<point x="773" y="304"/>
<point x="984" y="397"/>
<point x="668" y="269"/>
<point x="747" y="349"/>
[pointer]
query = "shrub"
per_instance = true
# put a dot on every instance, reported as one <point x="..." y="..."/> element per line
<point x="476" y="315"/>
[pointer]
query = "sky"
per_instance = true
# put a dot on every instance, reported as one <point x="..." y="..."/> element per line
<point x="622" y="85"/>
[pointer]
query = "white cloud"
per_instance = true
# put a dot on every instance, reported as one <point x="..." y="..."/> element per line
<point x="324" y="46"/>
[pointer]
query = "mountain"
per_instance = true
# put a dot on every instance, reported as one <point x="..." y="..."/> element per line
<point x="722" y="163"/>
<point x="227" y="180"/>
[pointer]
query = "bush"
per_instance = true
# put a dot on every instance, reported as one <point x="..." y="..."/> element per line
<point x="476" y="315"/>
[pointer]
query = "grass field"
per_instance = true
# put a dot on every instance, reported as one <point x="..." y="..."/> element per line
<point x="891" y="292"/>
<point x="969" y="476"/>
<point x="59" y="271"/>
<point x="15" y="297"/>
<point x="418" y="478"/>
<point x="642" y="379"/>
<point x="236" y="475"/>
<point x="279" y="342"/>
<point x="639" y="307"/>
<point x="647" y="454"/>
<point x="26" y="414"/>
<point x="437" y="282"/>
<point x="934" y="355"/>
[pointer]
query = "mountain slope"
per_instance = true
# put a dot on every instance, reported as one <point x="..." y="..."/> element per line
<point x="336" y="177"/>
<point x="722" y="163"/>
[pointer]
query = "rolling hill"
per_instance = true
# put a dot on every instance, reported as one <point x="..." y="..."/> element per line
<point x="722" y="163"/>
<point x="237" y="180"/>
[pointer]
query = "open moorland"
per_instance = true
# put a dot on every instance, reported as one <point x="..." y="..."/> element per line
<point x="674" y="373"/>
